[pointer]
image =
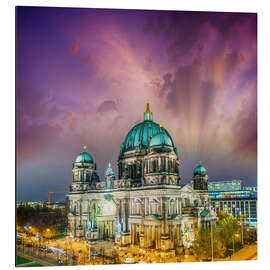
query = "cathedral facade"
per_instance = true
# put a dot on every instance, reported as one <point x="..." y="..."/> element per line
<point x="146" y="205"/>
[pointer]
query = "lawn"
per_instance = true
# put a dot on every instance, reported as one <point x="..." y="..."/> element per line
<point x="21" y="260"/>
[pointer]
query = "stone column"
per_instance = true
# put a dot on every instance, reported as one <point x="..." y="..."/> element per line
<point x="80" y="212"/>
<point x="146" y="208"/>
<point x="142" y="231"/>
<point x="165" y="241"/>
<point x="125" y="236"/>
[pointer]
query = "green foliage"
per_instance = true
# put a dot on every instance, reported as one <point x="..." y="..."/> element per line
<point x="230" y="231"/>
<point x="203" y="247"/>
<point x="227" y="235"/>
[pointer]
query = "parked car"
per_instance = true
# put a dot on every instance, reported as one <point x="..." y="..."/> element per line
<point x="129" y="260"/>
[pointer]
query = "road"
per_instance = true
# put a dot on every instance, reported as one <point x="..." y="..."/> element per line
<point x="104" y="252"/>
<point x="246" y="253"/>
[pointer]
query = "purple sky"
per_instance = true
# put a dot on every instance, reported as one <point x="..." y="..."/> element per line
<point x="83" y="76"/>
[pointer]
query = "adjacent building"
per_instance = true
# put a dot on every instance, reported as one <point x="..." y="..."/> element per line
<point x="233" y="198"/>
<point x="232" y="185"/>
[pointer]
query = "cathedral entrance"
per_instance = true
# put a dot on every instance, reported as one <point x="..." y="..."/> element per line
<point x="106" y="221"/>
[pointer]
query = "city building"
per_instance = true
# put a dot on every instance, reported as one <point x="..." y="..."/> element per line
<point x="233" y="198"/>
<point x="146" y="205"/>
<point x="32" y="204"/>
<point x="254" y="189"/>
<point x="246" y="207"/>
<point x="232" y="185"/>
<point x="57" y="205"/>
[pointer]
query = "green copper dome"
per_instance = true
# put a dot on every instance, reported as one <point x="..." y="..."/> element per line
<point x="139" y="136"/>
<point x="161" y="139"/>
<point x="84" y="157"/>
<point x="200" y="170"/>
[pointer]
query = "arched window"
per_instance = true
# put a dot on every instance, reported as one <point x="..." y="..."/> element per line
<point x="172" y="207"/>
<point x="154" y="207"/>
<point x="186" y="202"/>
<point x="137" y="207"/>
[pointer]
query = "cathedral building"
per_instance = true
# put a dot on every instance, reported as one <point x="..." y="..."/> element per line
<point x="146" y="205"/>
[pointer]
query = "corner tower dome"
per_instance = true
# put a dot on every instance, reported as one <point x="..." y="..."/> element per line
<point x="200" y="169"/>
<point x="109" y="171"/>
<point x="84" y="157"/>
<point x="140" y="135"/>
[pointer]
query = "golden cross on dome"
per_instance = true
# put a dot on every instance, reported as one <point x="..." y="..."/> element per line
<point x="84" y="147"/>
<point x="147" y="106"/>
<point x="200" y="162"/>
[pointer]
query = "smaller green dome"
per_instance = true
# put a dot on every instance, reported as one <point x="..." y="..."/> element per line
<point x="161" y="139"/>
<point x="200" y="170"/>
<point x="84" y="157"/>
<point x="109" y="171"/>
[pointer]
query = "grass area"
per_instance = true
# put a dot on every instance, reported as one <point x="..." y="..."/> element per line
<point x="21" y="260"/>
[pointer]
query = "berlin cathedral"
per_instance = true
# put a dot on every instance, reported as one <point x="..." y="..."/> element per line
<point x="146" y="205"/>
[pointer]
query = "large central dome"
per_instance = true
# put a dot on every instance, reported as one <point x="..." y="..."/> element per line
<point x="139" y="136"/>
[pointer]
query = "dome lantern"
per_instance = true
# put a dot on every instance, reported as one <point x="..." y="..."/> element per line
<point x="148" y="115"/>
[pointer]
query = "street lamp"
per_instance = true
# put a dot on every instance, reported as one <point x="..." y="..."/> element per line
<point x="212" y="241"/>
<point x="37" y="238"/>
<point x="70" y="238"/>
<point x="242" y="230"/>
<point x="25" y="229"/>
<point x="23" y="244"/>
<point x="237" y="235"/>
<point x="89" y="250"/>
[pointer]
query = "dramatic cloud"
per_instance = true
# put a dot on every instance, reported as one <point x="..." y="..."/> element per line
<point x="107" y="106"/>
<point x="88" y="75"/>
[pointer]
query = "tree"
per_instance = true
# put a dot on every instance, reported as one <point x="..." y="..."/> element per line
<point x="41" y="218"/>
<point x="230" y="231"/>
<point x="203" y="245"/>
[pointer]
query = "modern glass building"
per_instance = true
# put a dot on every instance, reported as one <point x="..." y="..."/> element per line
<point x="250" y="188"/>
<point x="232" y="185"/>
<point x="232" y="194"/>
<point x="238" y="206"/>
<point x="233" y="198"/>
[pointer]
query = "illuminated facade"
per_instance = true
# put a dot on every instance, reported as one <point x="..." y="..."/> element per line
<point x="146" y="205"/>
